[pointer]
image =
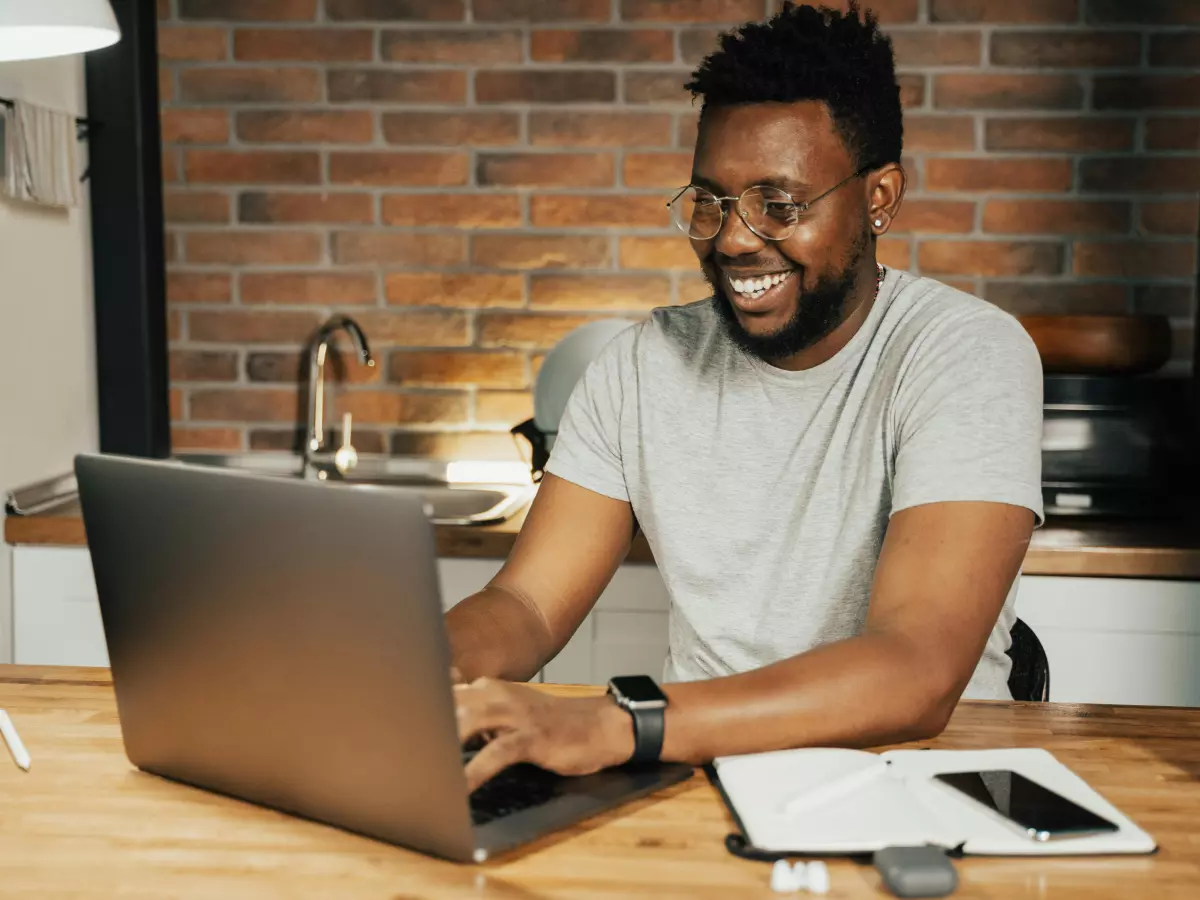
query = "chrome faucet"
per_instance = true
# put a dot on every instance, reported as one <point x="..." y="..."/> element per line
<point x="314" y="442"/>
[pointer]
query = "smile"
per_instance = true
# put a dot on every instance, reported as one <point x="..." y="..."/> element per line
<point x="750" y="290"/>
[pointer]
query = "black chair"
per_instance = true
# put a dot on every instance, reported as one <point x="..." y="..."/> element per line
<point x="1030" y="676"/>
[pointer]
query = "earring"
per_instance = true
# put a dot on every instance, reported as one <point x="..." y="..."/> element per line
<point x="879" y="223"/>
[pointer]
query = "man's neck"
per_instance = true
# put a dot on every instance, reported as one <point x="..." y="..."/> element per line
<point x="859" y="304"/>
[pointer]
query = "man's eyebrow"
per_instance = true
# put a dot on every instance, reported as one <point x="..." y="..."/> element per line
<point x="788" y="185"/>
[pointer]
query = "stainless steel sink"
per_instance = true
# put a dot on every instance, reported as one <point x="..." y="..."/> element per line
<point x="454" y="493"/>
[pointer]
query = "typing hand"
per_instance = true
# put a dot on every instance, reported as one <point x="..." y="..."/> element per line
<point x="570" y="736"/>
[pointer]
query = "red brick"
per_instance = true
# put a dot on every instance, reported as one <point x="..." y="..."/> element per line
<point x="598" y="211"/>
<point x="163" y="9"/>
<point x="1176" y="49"/>
<point x="894" y="252"/>
<point x="304" y="45"/>
<point x="205" y="439"/>
<point x="253" y="247"/>
<point x="1058" y="49"/>
<point x="486" y="445"/>
<point x="259" y="207"/>
<point x="545" y="86"/>
<point x="979" y="91"/>
<point x="888" y="11"/>
<point x="374" y="168"/>
<point x="394" y="10"/>
<point x="464" y="291"/>
<point x="203" y="365"/>
<point x="228" y="326"/>
<point x="527" y="330"/>
<point x="673" y="252"/>
<point x="1058" y="297"/>
<point x="657" y="170"/>
<point x="389" y="86"/>
<point x="195" y="206"/>
<point x="472" y="129"/>
<point x="693" y="288"/>
<point x="599" y="292"/>
<point x="175" y="401"/>
<point x="398" y="248"/>
<point x="476" y="210"/>
<point x="546" y="169"/>
<point x="166" y="84"/>
<point x="475" y="46"/>
<point x="990" y="257"/>
<point x="505" y="407"/>
<point x="305" y="288"/>
<point x="938" y="216"/>
<point x="1141" y="92"/>
<point x="1004" y="11"/>
<point x="1170" y="217"/>
<point x="1056" y="217"/>
<point x="939" y="133"/>
<point x="252" y="167"/>
<point x="312" y="126"/>
<point x="936" y="47"/>
<point x="697" y="43"/>
<point x="1175" y="300"/>
<point x="198" y="287"/>
<point x="174" y="325"/>
<point x="689" y="125"/>
<point x="1144" y="12"/>
<point x="1173" y="133"/>
<point x="541" y="11"/>
<point x="603" y="45"/>
<point x="249" y="10"/>
<point x="599" y="129"/>
<point x="688" y="11"/>
<point x="912" y="90"/>
<point x="662" y="87"/>
<point x="415" y="328"/>
<point x="195" y="126"/>
<point x="290" y="368"/>
<point x="1136" y="259"/>
<point x="171" y="246"/>
<point x="1075" y="133"/>
<point x="975" y="174"/>
<point x="537" y="251"/>
<point x="1171" y="174"/>
<point x="244" y="405"/>
<point x="192" y="44"/>
<point x="249" y="85"/>
<point x="393" y="407"/>
<point x="438" y="367"/>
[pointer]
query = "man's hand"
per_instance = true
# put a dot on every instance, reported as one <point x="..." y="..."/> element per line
<point x="570" y="736"/>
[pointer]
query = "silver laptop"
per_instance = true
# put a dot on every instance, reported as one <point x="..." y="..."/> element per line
<point x="282" y="642"/>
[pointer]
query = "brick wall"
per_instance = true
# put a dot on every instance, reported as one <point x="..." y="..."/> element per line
<point x="471" y="179"/>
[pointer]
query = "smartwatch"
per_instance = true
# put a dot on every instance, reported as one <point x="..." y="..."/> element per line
<point x="646" y="703"/>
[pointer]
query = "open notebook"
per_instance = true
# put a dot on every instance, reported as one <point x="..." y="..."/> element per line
<point x="829" y="801"/>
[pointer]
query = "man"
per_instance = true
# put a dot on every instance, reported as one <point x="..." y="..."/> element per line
<point x="837" y="466"/>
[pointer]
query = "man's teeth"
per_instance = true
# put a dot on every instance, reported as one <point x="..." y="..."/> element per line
<point x="756" y="287"/>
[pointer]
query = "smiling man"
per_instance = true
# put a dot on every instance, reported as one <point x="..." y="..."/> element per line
<point x="836" y="464"/>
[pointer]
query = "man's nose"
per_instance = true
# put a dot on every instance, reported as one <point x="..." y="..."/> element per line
<point x="735" y="237"/>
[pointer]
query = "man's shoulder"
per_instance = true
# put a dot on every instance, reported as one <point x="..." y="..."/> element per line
<point x="926" y="310"/>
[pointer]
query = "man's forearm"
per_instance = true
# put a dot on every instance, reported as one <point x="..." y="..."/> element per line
<point x="497" y="634"/>
<point x="864" y="691"/>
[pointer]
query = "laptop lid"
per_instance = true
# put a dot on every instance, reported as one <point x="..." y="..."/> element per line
<point x="280" y="641"/>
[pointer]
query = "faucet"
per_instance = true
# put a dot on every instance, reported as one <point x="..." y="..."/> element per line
<point x="314" y="443"/>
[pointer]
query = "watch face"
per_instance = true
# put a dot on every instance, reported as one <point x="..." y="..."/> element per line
<point x="638" y="689"/>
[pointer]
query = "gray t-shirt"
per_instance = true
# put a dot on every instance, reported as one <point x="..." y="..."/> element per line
<point x="765" y="494"/>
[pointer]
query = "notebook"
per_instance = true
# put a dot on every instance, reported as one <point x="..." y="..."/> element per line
<point x="830" y="802"/>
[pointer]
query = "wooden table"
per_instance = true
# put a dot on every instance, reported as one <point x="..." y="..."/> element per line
<point x="83" y="822"/>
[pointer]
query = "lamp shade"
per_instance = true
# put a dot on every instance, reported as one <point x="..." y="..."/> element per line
<point x="33" y="29"/>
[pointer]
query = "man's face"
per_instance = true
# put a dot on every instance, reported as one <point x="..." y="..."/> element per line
<point x="792" y="146"/>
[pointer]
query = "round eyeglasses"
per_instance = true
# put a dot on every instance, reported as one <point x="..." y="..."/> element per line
<point x="770" y="212"/>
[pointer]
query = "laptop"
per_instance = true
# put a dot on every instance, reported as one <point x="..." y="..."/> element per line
<point x="281" y="641"/>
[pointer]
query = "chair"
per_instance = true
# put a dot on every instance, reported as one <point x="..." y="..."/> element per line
<point x="1030" y="676"/>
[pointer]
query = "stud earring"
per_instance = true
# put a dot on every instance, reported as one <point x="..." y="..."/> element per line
<point x="879" y="223"/>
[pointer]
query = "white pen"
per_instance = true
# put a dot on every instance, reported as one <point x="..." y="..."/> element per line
<point x="19" y="754"/>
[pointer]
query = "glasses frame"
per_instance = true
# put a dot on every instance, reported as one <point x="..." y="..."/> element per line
<point x="802" y="206"/>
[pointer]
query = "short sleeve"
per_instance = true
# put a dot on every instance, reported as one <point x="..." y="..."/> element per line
<point x="587" y="450"/>
<point x="968" y="417"/>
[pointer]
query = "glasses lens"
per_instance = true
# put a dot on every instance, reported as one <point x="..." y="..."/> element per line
<point x="697" y="213"/>
<point x="770" y="212"/>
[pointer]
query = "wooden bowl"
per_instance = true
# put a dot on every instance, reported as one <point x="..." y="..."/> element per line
<point x="1100" y="345"/>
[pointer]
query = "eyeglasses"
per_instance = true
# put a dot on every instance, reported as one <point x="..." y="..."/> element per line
<point x="771" y="213"/>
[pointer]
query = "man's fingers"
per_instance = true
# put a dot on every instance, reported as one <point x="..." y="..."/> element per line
<point x="494" y="758"/>
<point x="455" y="675"/>
<point x="482" y="707"/>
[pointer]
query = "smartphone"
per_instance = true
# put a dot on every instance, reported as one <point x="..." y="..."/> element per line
<point x="1036" y="811"/>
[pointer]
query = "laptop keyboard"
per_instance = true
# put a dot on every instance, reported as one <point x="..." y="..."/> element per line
<point x="516" y="788"/>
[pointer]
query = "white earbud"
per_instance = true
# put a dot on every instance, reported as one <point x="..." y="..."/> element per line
<point x="813" y="877"/>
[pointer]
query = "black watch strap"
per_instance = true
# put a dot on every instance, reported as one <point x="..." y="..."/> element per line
<point x="647" y="734"/>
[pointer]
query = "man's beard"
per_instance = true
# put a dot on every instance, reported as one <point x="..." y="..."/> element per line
<point x="818" y="313"/>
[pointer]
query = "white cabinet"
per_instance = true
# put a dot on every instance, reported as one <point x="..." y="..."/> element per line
<point x="56" y="616"/>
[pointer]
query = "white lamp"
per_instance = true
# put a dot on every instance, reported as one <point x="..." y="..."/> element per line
<point x="33" y="29"/>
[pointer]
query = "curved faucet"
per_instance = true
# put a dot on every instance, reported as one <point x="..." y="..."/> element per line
<point x="314" y="441"/>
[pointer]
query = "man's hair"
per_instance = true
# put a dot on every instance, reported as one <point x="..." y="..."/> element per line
<point x="813" y="53"/>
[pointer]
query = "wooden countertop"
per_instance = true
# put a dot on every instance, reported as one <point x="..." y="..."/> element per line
<point x="1062" y="547"/>
<point x="84" y="822"/>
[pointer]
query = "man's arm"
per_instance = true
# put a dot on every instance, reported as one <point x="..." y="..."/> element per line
<point x="941" y="581"/>
<point x="572" y="542"/>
